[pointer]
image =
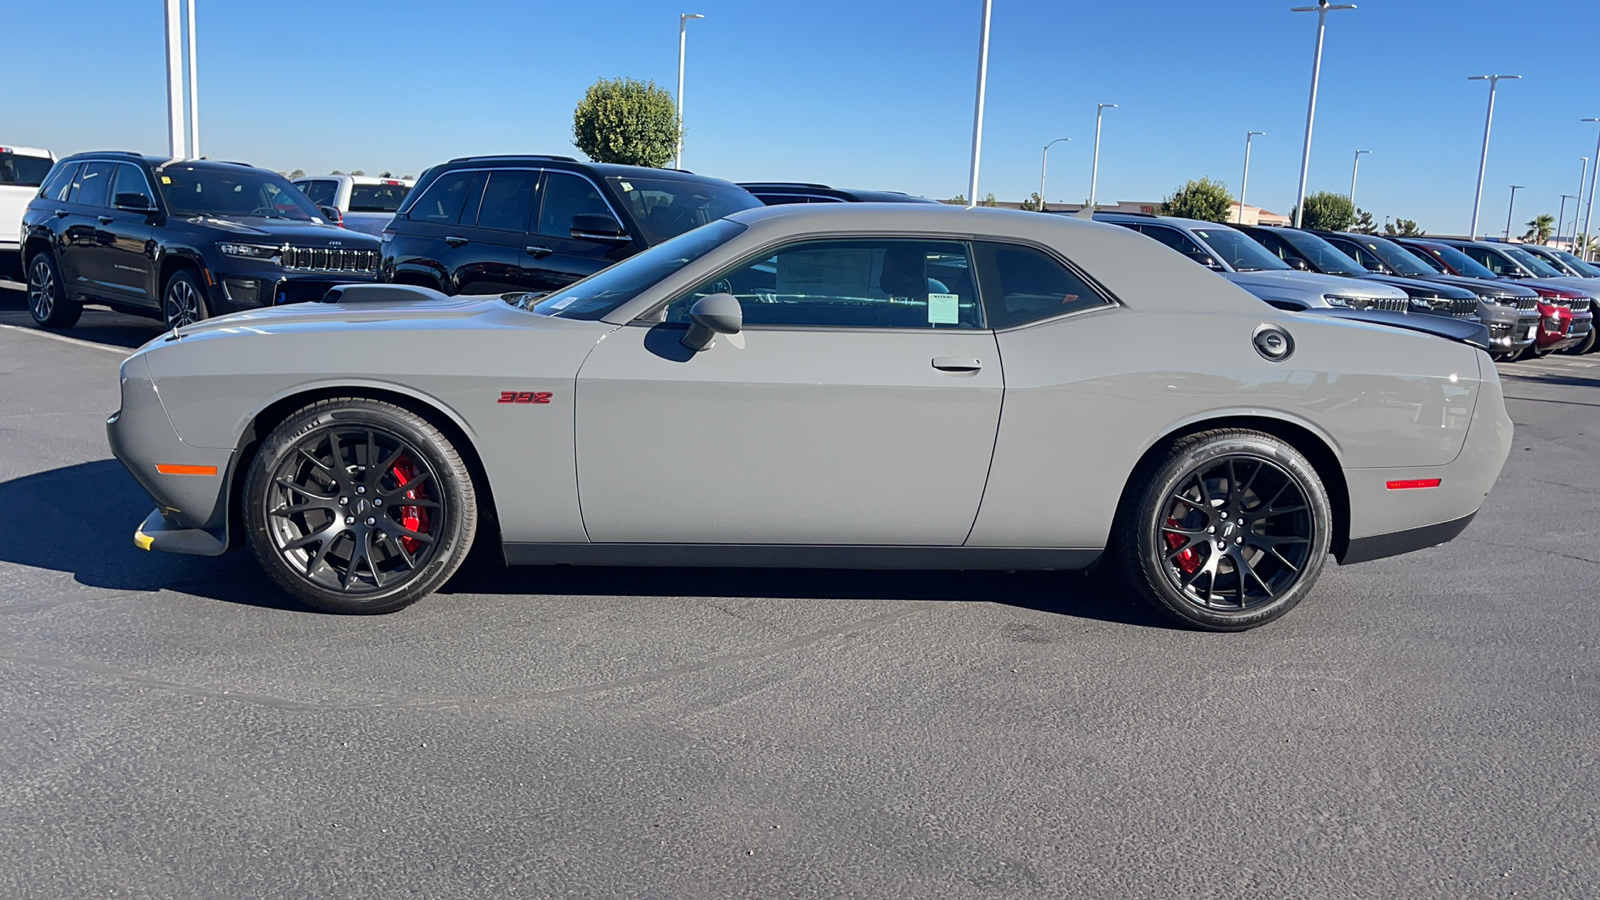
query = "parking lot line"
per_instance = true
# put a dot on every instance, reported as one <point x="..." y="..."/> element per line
<point x="68" y="340"/>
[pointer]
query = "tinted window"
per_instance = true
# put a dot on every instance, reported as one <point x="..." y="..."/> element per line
<point x="1533" y="263"/>
<point x="508" y="199"/>
<point x="59" y="185"/>
<point x="1494" y="262"/>
<point x="666" y="208"/>
<point x="379" y="198"/>
<point x="1426" y="259"/>
<point x="23" y="171"/>
<point x="567" y="195"/>
<point x="604" y="291"/>
<point x="1175" y="239"/>
<point x="1238" y="250"/>
<point x="215" y="190"/>
<point x="321" y="192"/>
<point x="1372" y="250"/>
<point x="444" y="199"/>
<point x="94" y="185"/>
<point x="131" y="180"/>
<point x="1455" y="259"/>
<point x="1023" y="285"/>
<point x="1324" y="256"/>
<point x="851" y="284"/>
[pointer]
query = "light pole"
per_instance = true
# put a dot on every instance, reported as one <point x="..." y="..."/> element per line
<point x="1510" y="206"/>
<point x="1042" y="161"/>
<point x="1354" y="168"/>
<point x="175" y="142"/>
<point x="1483" y="161"/>
<point x="977" y="113"/>
<point x="1577" y="208"/>
<point x="1561" y="217"/>
<point x="1244" y="182"/>
<point x="1589" y="210"/>
<point x="1094" y="171"/>
<point x="1321" y="9"/>
<point x="194" y="91"/>
<point x="683" y="40"/>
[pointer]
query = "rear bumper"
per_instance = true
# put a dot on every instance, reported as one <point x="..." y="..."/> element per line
<point x="1395" y="543"/>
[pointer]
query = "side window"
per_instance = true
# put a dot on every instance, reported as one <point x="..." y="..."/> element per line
<point x="565" y="196"/>
<point x="59" y="184"/>
<point x="508" y="199"/>
<point x="1425" y="257"/>
<point x="322" y="191"/>
<point x="131" y="180"/>
<point x="1023" y="284"/>
<point x="94" y="185"/>
<point x="1355" y="252"/>
<point x="1493" y="261"/>
<point x="1175" y="239"/>
<point x="851" y="284"/>
<point x="446" y="197"/>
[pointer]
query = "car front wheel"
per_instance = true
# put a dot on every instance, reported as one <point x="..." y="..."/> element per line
<point x="183" y="303"/>
<point x="358" y="506"/>
<point x="1227" y="530"/>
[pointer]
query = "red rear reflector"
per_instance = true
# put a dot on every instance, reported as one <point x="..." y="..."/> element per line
<point x="165" y="469"/>
<point x="1413" y="483"/>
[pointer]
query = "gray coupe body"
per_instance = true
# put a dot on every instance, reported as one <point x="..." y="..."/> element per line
<point x="903" y="444"/>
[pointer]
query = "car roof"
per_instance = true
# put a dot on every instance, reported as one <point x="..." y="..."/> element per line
<point x="856" y="194"/>
<point x="1167" y="220"/>
<point x="155" y="162"/>
<point x="26" y="151"/>
<point x="567" y="162"/>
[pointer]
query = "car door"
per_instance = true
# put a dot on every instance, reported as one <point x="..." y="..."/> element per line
<point x="858" y="406"/>
<point x="125" y="239"/>
<point x="85" y="263"/>
<point x="486" y="255"/>
<point x="555" y="256"/>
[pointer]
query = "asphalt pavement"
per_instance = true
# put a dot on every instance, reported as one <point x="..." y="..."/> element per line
<point x="1426" y="726"/>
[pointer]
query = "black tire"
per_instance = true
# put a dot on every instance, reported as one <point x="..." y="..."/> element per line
<point x="340" y="460"/>
<point x="183" y="300"/>
<point x="1173" y="531"/>
<point x="47" y="296"/>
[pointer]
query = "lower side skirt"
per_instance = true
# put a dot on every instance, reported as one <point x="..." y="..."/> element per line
<point x="793" y="556"/>
<point x="1395" y="543"/>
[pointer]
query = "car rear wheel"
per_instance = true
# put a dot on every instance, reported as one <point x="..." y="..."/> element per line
<point x="47" y="298"/>
<point x="183" y="303"/>
<point x="1227" y="530"/>
<point x="1584" y="346"/>
<point x="358" y="506"/>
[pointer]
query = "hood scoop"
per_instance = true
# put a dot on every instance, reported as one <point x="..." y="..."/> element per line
<point x="351" y="294"/>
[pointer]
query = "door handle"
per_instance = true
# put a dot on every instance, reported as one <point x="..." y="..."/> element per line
<point x="62" y="214"/>
<point x="455" y="240"/>
<point x="106" y="220"/>
<point x="957" y="364"/>
<point x="538" y="252"/>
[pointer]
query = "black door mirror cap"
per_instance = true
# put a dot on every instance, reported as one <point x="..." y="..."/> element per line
<point x="593" y="227"/>
<point x="134" y="202"/>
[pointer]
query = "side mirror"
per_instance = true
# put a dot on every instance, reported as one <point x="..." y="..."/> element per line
<point x="332" y="214"/>
<point x="1300" y="264"/>
<point x="592" y="227"/>
<point x="135" y="203"/>
<point x="710" y="316"/>
<point x="1211" y="264"/>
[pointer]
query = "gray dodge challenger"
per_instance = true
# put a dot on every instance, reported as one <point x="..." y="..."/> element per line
<point x="861" y="386"/>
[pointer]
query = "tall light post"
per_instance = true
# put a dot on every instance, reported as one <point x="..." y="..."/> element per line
<point x="1322" y="9"/>
<point x="1589" y="210"/>
<point x="1244" y="182"/>
<point x="1043" y="160"/>
<point x="1354" y="168"/>
<point x="977" y="114"/>
<point x="1483" y="160"/>
<point x="1561" y="217"/>
<point x="1510" y="206"/>
<point x="1094" y="171"/>
<point x="175" y="142"/>
<point x="683" y="40"/>
<point x="194" y="91"/>
<point x="1577" y="208"/>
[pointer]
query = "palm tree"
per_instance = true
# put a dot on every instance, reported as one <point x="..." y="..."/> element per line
<point x="1540" y="229"/>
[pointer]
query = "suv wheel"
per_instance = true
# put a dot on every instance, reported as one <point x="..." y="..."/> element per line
<point x="183" y="303"/>
<point x="47" y="299"/>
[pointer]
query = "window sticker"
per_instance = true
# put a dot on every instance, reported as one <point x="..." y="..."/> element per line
<point x="625" y="186"/>
<point x="166" y="179"/>
<point x="944" y="309"/>
<point x="836" y="273"/>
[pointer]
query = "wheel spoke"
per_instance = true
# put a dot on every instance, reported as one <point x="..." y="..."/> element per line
<point x="395" y="530"/>
<point x="372" y="562"/>
<point x="1246" y="569"/>
<point x="284" y="482"/>
<point x="314" y="460"/>
<point x="408" y="486"/>
<point x="1282" y="559"/>
<point x="1284" y="511"/>
<point x="393" y="458"/>
<point x="289" y="509"/>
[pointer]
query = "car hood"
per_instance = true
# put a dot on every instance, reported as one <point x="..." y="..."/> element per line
<point x="1302" y="284"/>
<point x="1586" y="286"/>
<point x="305" y="234"/>
<point x="411" y="307"/>
<point x="1481" y="287"/>
<point x="1418" y="286"/>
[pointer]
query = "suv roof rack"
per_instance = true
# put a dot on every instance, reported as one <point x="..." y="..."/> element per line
<point x="785" y="184"/>
<point x="514" y="156"/>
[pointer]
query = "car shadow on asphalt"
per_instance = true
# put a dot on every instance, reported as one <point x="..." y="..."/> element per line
<point x="100" y="326"/>
<point x="82" y="517"/>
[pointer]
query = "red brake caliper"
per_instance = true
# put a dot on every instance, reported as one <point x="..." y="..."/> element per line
<point x="412" y="518"/>
<point x="1188" y="561"/>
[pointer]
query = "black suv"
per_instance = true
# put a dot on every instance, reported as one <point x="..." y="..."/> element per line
<point x="776" y="193"/>
<point x="180" y="239"/>
<point x="485" y="224"/>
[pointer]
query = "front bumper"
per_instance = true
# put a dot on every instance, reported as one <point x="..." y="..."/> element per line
<point x="1510" y="330"/>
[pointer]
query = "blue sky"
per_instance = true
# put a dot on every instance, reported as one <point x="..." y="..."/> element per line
<point x="864" y="94"/>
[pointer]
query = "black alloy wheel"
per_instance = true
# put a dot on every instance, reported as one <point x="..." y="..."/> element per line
<point x="47" y="301"/>
<point x="182" y="303"/>
<point x="1230" y="530"/>
<point x="359" y="506"/>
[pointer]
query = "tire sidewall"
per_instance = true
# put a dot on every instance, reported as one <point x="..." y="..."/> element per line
<point x="64" y="313"/>
<point x="186" y="275"/>
<point x="453" y="483"/>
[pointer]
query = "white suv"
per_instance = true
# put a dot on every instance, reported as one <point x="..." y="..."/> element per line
<point x="22" y="170"/>
<point x="366" y="203"/>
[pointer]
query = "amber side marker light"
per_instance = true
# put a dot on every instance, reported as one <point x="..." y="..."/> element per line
<point x="1413" y="483"/>
<point x="165" y="469"/>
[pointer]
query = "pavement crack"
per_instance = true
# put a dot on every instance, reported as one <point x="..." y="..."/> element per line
<point x="1586" y="559"/>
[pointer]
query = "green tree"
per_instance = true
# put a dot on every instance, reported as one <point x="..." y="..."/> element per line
<point x="1033" y="203"/>
<point x="1206" y="200"/>
<point x="358" y="172"/>
<point x="1403" y="228"/>
<point x="1540" y="228"/>
<point x="989" y="200"/>
<point x="625" y="121"/>
<point x="297" y="173"/>
<point x="957" y="200"/>
<point x="336" y="172"/>
<point x="1364" y="223"/>
<point x="1327" y="211"/>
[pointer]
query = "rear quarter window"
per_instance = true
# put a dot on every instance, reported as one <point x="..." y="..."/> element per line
<point x="1025" y="284"/>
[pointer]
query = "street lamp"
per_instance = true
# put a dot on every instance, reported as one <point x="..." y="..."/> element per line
<point x="1510" y="206"/>
<point x="977" y="113"/>
<point x="683" y="39"/>
<point x="1589" y="210"/>
<point x="1042" y="161"/>
<point x="1561" y="217"/>
<point x="1483" y="161"/>
<point x="1354" y="168"/>
<point x="1244" y="183"/>
<point x="1094" y="172"/>
<point x="1577" y="208"/>
<point x="1321" y="9"/>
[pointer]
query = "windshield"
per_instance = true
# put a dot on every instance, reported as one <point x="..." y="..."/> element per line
<point x="604" y="291"/>
<point x="1533" y="263"/>
<point x="1461" y="262"/>
<point x="378" y="198"/>
<point x="1325" y="257"/>
<point x="23" y="171"/>
<point x="668" y="207"/>
<point x="1577" y="265"/>
<point x="1397" y="258"/>
<point x="192" y="190"/>
<point x="1240" y="252"/>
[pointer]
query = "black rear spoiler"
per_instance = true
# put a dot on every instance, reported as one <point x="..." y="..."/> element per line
<point x="379" y="293"/>
<point x="1467" y="331"/>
